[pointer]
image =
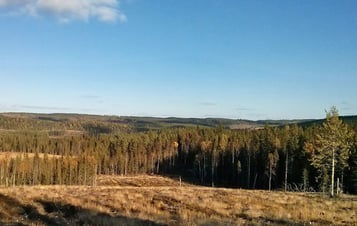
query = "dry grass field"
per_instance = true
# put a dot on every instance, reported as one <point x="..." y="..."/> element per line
<point x="154" y="200"/>
<point x="13" y="155"/>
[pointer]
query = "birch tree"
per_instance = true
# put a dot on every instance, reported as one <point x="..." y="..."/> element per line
<point x="330" y="147"/>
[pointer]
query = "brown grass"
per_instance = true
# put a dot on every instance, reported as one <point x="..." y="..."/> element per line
<point x="151" y="200"/>
<point x="140" y="181"/>
<point x="13" y="155"/>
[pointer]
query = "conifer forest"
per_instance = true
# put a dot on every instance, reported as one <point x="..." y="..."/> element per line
<point x="74" y="150"/>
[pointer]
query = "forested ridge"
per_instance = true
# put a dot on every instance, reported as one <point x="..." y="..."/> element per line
<point x="48" y="151"/>
<point x="96" y="124"/>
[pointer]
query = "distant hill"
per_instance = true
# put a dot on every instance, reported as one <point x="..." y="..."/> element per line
<point x="350" y="120"/>
<point x="59" y="123"/>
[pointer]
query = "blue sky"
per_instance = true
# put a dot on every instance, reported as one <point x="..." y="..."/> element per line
<point x="202" y="58"/>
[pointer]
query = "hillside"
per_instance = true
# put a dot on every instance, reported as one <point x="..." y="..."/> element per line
<point x="350" y="120"/>
<point x="109" y="124"/>
<point x="95" y="124"/>
<point x="155" y="200"/>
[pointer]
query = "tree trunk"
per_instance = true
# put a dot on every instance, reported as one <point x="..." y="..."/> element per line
<point x="212" y="175"/>
<point x="248" y="179"/>
<point x="255" y="180"/>
<point x="158" y="166"/>
<point x="342" y="188"/>
<point x="305" y="179"/>
<point x="234" y="170"/>
<point x="338" y="186"/>
<point x="200" y="170"/>
<point x="204" y="168"/>
<point x="333" y="172"/>
<point x="85" y="174"/>
<point x="126" y="164"/>
<point x="95" y="175"/>
<point x="212" y="170"/>
<point x="286" y="170"/>
<point x="270" y="169"/>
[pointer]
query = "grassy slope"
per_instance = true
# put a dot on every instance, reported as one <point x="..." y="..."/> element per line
<point x="152" y="200"/>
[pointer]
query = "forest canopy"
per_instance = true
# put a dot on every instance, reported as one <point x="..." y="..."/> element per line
<point x="74" y="149"/>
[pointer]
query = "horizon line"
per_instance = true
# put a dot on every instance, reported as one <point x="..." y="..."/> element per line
<point x="163" y="117"/>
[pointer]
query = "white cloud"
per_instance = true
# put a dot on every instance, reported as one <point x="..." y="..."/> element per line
<point x="68" y="10"/>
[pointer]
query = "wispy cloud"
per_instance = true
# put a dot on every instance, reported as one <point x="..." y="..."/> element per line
<point x="67" y="10"/>
<point x="243" y="109"/>
<point x="32" y="107"/>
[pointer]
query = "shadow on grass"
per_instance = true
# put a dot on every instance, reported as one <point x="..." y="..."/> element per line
<point x="267" y="221"/>
<point x="67" y="214"/>
<point x="279" y="221"/>
<point x="15" y="213"/>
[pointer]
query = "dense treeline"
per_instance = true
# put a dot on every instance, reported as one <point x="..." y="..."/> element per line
<point x="272" y="157"/>
<point x="58" y="124"/>
<point x="97" y="124"/>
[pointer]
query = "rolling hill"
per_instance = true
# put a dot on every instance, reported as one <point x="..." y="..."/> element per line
<point x="109" y="124"/>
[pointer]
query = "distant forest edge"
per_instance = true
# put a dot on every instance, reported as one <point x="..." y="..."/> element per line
<point x="73" y="149"/>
